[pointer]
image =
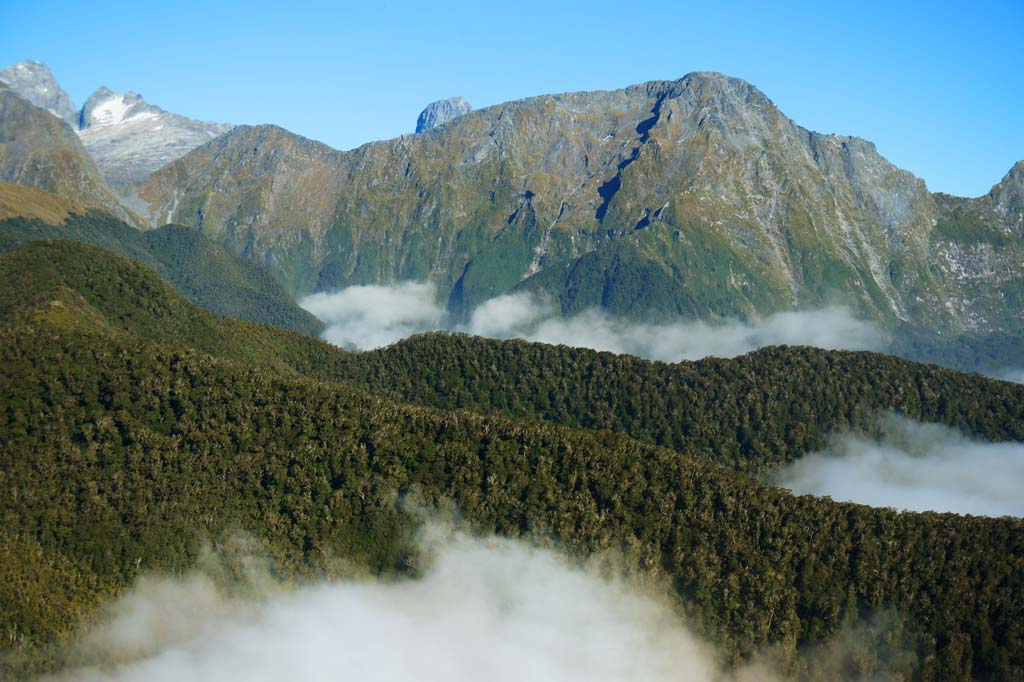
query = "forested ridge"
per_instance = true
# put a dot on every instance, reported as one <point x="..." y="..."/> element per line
<point x="126" y="443"/>
<point x="751" y="412"/>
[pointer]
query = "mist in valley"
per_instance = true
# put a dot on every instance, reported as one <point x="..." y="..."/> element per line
<point x="913" y="466"/>
<point x="366" y="317"/>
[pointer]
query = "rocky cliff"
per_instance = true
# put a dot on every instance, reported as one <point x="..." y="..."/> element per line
<point x="35" y="82"/>
<point x="440" y="112"/>
<point x="130" y="138"/>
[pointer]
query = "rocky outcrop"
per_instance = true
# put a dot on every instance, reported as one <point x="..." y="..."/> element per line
<point x="127" y="137"/>
<point x="130" y="138"/>
<point x="441" y="112"/>
<point x="35" y="82"/>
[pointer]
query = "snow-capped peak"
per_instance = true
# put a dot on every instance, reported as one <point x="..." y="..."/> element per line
<point x="107" y="108"/>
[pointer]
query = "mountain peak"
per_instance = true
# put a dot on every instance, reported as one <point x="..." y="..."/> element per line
<point x="1009" y="194"/>
<point x="440" y="112"/>
<point x="106" y="107"/>
<point x="34" y="82"/>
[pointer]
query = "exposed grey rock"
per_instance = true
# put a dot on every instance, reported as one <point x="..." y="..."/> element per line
<point x="741" y="210"/>
<point x="130" y="138"/>
<point x="440" y="112"/>
<point x="37" y="149"/>
<point x="1009" y="196"/>
<point x="35" y="83"/>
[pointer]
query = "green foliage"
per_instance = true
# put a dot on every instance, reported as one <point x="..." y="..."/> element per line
<point x="967" y="352"/>
<point x="207" y="274"/>
<point x="125" y="444"/>
<point x="750" y="413"/>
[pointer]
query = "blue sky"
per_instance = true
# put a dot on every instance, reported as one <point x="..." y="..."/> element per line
<point x="939" y="87"/>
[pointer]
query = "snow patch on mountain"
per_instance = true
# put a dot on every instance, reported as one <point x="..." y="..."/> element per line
<point x="130" y="138"/>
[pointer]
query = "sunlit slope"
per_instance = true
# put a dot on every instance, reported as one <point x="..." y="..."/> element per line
<point x="207" y="273"/>
<point x="696" y="197"/>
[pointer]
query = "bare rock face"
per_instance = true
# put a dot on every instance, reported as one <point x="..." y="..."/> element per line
<point x="130" y="138"/>
<point x="440" y="112"/>
<point x="35" y="83"/>
<point x="1009" y="197"/>
<point x="127" y="137"/>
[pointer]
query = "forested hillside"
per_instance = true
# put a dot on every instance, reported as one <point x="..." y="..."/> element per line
<point x="123" y="449"/>
<point x="750" y="413"/>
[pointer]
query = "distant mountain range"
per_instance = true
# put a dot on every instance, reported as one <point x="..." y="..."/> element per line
<point x="39" y="150"/>
<point x="128" y="137"/>
<point x="694" y="198"/>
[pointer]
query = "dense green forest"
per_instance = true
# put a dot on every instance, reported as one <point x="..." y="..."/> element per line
<point x="126" y="443"/>
<point x="207" y="273"/>
<point x="750" y="413"/>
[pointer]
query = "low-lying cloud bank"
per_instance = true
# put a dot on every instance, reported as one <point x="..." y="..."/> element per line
<point x="365" y="317"/>
<point x="914" y="466"/>
<point x="486" y="610"/>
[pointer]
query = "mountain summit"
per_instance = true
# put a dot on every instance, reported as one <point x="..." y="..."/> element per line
<point x="35" y="82"/>
<point x="440" y="112"/>
<point x="130" y="138"/>
<point x="695" y="197"/>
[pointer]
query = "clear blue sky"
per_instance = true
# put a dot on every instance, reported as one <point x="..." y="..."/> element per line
<point x="939" y="87"/>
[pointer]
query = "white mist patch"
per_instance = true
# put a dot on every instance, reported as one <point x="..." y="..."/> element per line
<point x="486" y="610"/>
<point x="525" y="316"/>
<point x="367" y="317"/>
<point x="917" y="467"/>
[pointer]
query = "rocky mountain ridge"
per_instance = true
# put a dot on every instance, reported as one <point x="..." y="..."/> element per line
<point x="35" y="82"/>
<point x="128" y="137"/>
<point x="40" y="150"/>
<point x="701" y="185"/>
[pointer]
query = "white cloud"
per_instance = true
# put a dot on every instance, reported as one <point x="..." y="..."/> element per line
<point x="370" y="317"/>
<point x="486" y="610"/>
<point x="919" y="467"/>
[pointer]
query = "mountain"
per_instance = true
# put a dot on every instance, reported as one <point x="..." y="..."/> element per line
<point x="39" y="150"/>
<point x="128" y="450"/>
<point x="20" y="201"/>
<point x="695" y="197"/>
<point x="130" y="138"/>
<point x="205" y="272"/>
<point x="127" y="137"/>
<point x="440" y="112"/>
<point x="35" y="82"/>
